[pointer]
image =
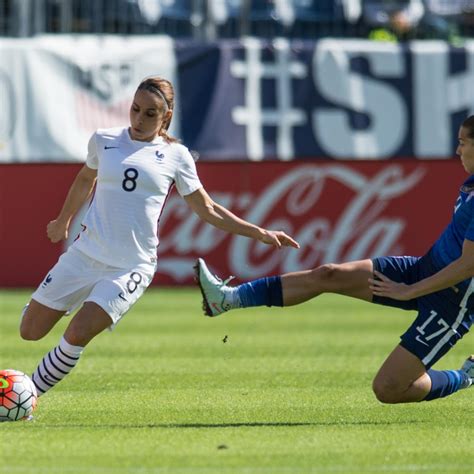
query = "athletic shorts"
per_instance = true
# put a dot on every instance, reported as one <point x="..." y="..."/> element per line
<point x="77" y="278"/>
<point x="443" y="317"/>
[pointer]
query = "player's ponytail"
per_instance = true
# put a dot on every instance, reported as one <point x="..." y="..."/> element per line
<point x="165" y="91"/>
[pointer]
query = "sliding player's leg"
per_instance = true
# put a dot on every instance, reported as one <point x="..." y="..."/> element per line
<point x="407" y="374"/>
<point x="350" y="279"/>
<point x="403" y="378"/>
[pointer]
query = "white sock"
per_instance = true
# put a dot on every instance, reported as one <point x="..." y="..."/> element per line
<point x="56" y="365"/>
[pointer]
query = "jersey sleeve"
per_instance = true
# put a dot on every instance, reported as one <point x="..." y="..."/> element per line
<point x="186" y="179"/>
<point x="92" y="160"/>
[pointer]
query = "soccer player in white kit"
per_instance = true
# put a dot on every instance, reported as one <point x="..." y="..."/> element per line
<point x="113" y="260"/>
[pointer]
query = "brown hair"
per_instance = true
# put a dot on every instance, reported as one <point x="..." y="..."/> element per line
<point x="468" y="124"/>
<point x="164" y="90"/>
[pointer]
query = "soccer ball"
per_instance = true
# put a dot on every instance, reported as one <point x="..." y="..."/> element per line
<point x="18" y="396"/>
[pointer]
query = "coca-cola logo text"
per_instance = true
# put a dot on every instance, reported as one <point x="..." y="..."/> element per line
<point x="336" y="213"/>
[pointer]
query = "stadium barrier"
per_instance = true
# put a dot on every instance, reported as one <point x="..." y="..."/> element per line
<point x="336" y="210"/>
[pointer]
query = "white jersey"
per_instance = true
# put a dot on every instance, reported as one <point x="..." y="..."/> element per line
<point x="134" y="179"/>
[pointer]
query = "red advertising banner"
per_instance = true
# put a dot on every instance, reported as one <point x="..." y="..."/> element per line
<point x="337" y="211"/>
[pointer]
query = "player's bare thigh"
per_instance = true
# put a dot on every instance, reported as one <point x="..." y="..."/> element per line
<point x="350" y="279"/>
<point x="38" y="320"/>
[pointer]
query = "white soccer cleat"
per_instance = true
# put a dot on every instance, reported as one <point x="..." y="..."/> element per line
<point x="468" y="367"/>
<point x="215" y="292"/>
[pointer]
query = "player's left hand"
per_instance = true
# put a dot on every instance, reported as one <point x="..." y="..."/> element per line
<point x="383" y="286"/>
<point x="278" y="238"/>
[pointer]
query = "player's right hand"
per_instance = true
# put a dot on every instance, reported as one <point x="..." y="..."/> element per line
<point x="278" y="238"/>
<point x="57" y="231"/>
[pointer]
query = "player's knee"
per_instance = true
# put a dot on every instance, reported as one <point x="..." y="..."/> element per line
<point x="29" y="333"/>
<point x="78" y="335"/>
<point x="324" y="276"/>
<point x="387" y="390"/>
<point x="326" y="272"/>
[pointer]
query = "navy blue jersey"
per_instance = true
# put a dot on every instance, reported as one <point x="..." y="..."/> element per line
<point x="448" y="247"/>
<point x="444" y="316"/>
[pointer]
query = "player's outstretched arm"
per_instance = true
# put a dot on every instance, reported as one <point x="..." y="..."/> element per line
<point x="78" y="194"/>
<point x="208" y="210"/>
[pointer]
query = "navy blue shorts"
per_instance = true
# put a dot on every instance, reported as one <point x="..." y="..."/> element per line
<point x="443" y="317"/>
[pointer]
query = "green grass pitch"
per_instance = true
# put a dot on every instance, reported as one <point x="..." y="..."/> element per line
<point x="258" y="391"/>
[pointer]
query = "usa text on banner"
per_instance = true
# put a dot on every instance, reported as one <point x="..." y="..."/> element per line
<point x="58" y="90"/>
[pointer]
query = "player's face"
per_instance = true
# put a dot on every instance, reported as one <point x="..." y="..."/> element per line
<point x="465" y="150"/>
<point x="146" y="116"/>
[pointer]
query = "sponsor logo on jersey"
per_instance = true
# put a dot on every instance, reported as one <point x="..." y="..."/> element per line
<point x="159" y="156"/>
<point x="109" y="147"/>
<point x="420" y="340"/>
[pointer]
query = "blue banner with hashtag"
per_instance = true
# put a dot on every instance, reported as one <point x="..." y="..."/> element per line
<point x="341" y="99"/>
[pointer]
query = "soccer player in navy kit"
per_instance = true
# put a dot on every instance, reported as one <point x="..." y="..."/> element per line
<point x="113" y="260"/>
<point x="439" y="285"/>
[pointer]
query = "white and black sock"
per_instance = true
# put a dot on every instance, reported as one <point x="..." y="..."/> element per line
<point x="56" y="365"/>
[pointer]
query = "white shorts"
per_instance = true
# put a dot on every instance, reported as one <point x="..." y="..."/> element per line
<point x="77" y="278"/>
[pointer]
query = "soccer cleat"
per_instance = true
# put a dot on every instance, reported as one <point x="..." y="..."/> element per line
<point x="215" y="292"/>
<point x="468" y="367"/>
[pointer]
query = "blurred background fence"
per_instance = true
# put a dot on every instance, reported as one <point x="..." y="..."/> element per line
<point x="209" y="19"/>
<point x="184" y="18"/>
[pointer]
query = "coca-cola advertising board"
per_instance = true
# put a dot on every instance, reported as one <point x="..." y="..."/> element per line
<point x="337" y="211"/>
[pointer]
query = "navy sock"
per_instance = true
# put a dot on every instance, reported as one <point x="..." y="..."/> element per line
<point x="445" y="382"/>
<point x="262" y="292"/>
